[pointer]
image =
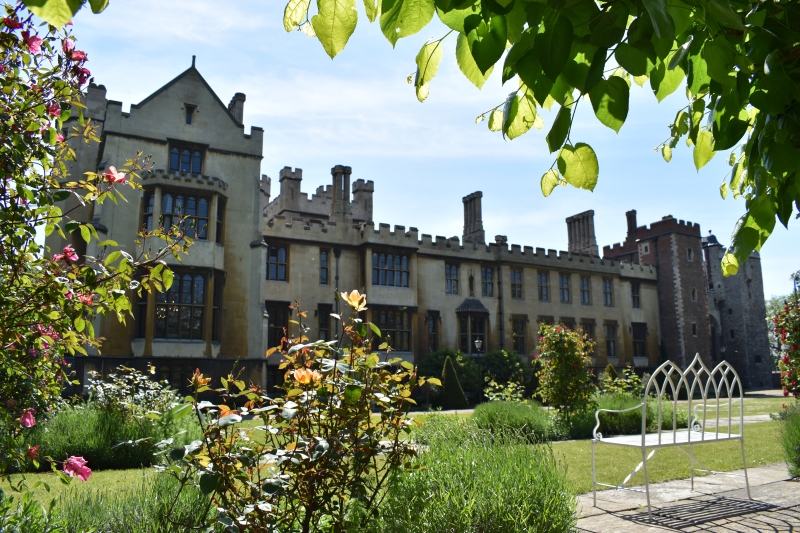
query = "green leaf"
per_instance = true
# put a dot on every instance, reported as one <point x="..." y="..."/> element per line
<point x="229" y="420"/>
<point x="352" y="393"/>
<point x="467" y="63"/>
<point x="209" y="482"/>
<point x="86" y="233"/>
<point x="98" y="5"/>
<point x="496" y="120"/>
<point x="60" y="196"/>
<point x="579" y="166"/>
<point x="334" y="23"/>
<point x="698" y="79"/>
<point x="610" y="99"/>
<point x="487" y="40"/>
<point x="295" y="13"/>
<point x="454" y="19"/>
<point x="375" y="329"/>
<point x="664" y="81"/>
<point x="55" y="12"/>
<point x="729" y="265"/>
<point x="633" y="59"/>
<point x="79" y="323"/>
<point x="428" y="60"/>
<point x="549" y="182"/>
<point x="559" y="129"/>
<point x="723" y="190"/>
<point x="666" y="153"/>
<point x="720" y="58"/>
<point x="721" y="11"/>
<point x="401" y="18"/>
<point x="373" y="9"/>
<point x="703" y="149"/>
<point x="553" y="47"/>
<point x="113" y="256"/>
<point x="519" y="113"/>
<point x="662" y="22"/>
<point x="166" y="278"/>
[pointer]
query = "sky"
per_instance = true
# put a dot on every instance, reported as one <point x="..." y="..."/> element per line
<point x="358" y="110"/>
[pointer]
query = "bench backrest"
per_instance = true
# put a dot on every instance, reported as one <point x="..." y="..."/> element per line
<point x="714" y="393"/>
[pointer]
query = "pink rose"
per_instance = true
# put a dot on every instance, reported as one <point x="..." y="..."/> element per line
<point x="67" y="46"/>
<point x="76" y="466"/>
<point x="113" y="176"/>
<point x="59" y="137"/>
<point x="86" y="299"/>
<point x="69" y="253"/>
<point x="33" y="452"/>
<point x="82" y="73"/>
<point x="54" y="109"/>
<point x="33" y="42"/>
<point x="77" y="55"/>
<point x="26" y="419"/>
<point x="11" y="23"/>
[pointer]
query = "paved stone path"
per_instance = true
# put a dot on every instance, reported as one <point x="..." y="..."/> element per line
<point x="718" y="504"/>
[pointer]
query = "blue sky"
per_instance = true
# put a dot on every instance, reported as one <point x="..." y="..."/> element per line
<point x="358" y="110"/>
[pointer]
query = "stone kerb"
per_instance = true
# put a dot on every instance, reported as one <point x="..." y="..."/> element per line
<point x="170" y="177"/>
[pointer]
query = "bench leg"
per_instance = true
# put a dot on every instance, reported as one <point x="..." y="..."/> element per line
<point x="594" y="478"/>
<point x="646" y="486"/>
<point x="744" y="464"/>
<point x="691" y="465"/>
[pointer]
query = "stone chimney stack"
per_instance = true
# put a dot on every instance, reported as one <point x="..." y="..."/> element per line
<point x="473" y="219"/>
<point x="236" y="107"/>
<point x="631" y="216"/>
<point x="341" y="190"/>
<point x="580" y="228"/>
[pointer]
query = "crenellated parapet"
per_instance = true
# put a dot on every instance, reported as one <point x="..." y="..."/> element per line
<point x="630" y="269"/>
<point x="173" y="178"/>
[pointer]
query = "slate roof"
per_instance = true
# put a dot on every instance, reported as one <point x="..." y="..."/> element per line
<point x="471" y="305"/>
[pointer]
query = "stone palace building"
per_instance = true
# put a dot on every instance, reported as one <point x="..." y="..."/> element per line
<point x="263" y="244"/>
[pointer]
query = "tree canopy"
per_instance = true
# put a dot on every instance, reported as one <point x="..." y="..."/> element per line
<point x="737" y="59"/>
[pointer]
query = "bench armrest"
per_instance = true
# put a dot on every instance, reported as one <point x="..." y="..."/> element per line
<point x="596" y="435"/>
<point x="695" y="422"/>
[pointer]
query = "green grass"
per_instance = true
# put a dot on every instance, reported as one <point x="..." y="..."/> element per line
<point x="110" y="481"/>
<point x="762" y="446"/>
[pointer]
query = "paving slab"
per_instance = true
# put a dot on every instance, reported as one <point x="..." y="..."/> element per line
<point x="719" y="504"/>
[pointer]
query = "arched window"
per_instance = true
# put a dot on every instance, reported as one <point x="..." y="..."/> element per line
<point x="277" y="263"/>
<point x="197" y="160"/>
<point x="174" y="159"/>
<point x="186" y="157"/>
<point x="390" y="270"/>
<point x="147" y="210"/>
<point x="191" y="212"/>
<point x="179" y="313"/>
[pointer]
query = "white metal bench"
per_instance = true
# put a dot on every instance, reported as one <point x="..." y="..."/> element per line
<point x="706" y="390"/>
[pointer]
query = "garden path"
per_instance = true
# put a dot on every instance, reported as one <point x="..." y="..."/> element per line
<point x="718" y="504"/>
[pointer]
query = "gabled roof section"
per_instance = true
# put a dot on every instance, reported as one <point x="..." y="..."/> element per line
<point x="179" y="77"/>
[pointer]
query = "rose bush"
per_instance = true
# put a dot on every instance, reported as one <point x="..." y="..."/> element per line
<point x="787" y="330"/>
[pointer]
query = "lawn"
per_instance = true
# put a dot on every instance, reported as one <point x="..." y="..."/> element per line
<point x="762" y="446"/>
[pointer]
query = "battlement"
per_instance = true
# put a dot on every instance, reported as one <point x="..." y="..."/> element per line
<point x="171" y="177"/>
<point x="286" y="173"/>
<point x="361" y="185"/>
<point x="630" y="269"/>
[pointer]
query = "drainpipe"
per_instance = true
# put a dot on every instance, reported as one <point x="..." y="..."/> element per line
<point x="337" y="252"/>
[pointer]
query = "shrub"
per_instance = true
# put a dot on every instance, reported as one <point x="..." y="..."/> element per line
<point x="323" y="448"/>
<point x="469" y="375"/>
<point x="611" y="372"/>
<point x="26" y="515"/>
<point x="144" y="509"/>
<point x="629" y="383"/>
<point x="507" y="392"/>
<point x="526" y="419"/>
<point x="475" y="481"/>
<point x="452" y="396"/>
<point x="790" y="438"/>
<point x="627" y="423"/>
<point x="565" y="379"/>
<point x="502" y="366"/>
<point x="119" y="427"/>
